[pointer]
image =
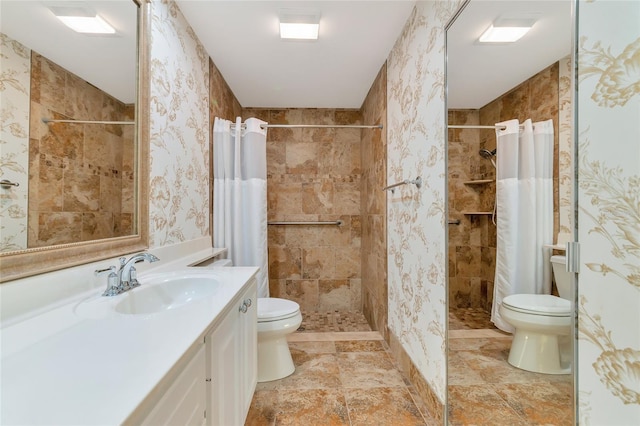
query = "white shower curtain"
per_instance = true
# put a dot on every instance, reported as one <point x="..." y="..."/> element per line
<point x="524" y="197"/>
<point x="240" y="194"/>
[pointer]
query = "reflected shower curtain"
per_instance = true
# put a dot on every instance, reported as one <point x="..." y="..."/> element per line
<point x="524" y="197"/>
<point x="240" y="194"/>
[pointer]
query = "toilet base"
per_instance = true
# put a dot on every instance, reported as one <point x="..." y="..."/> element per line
<point x="536" y="352"/>
<point x="274" y="358"/>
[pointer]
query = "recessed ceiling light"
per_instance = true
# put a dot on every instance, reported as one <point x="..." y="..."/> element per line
<point x="82" y="20"/>
<point x="299" y="31"/>
<point x="503" y="34"/>
<point x="87" y="24"/>
<point x="506" y="30"/>
<point x="299" y="24"/>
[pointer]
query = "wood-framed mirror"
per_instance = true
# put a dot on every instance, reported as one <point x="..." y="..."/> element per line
<point x="82" y="134"/>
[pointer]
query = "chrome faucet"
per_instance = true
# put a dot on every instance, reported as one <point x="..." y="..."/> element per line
<point x="125" y="279"/>
<point x="127" y="273"/>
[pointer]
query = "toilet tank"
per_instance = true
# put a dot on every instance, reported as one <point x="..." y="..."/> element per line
<point x="563" y="278"/>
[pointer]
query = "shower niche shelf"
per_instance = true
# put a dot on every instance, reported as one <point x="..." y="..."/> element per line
<point x="476" y="213"/>
<point x="478" y="181"/>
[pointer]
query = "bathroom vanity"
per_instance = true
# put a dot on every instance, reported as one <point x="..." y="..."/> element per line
<point x="108" y="360"/>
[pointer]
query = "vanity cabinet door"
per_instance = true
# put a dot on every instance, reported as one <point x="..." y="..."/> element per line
<point x="249" y="349"/>
<point x="223" y="392"/>
<point x="233" y="363"/>
<point x="184" y="401"/>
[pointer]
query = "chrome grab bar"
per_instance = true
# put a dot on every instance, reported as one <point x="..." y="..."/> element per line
<point x="417" y="182"/>
<point x="336" y="222"/>
<point x="8" y="184"/>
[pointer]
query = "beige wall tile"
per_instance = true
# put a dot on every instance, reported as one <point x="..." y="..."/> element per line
<point x="285" y="262"/>
<point x="78" y="169"/>
<point x="313" y="174"/>
<point x="301" y="158"/>
<point x="373" y="162"/>
<point x="318" y="197"/>
<point x="319" y="263"/>
<point x="347" y="262"/>
<point x="304" y="292"/>
<point x="334" y="295"/>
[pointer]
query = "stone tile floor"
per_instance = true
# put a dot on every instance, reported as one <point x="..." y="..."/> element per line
<point x="313" y="322"/>
<point x="469" y="319"/>
<point x="345" y="375"/>
<point x="484" y="389"/>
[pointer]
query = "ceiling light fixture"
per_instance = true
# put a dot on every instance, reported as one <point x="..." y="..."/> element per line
<point x="506" y="31"/>
<point x="82" y="20"/>
<point x="299" y="24"/>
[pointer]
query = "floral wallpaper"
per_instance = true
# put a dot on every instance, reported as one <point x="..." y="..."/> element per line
<point x="15" y="74"/>
<point x="417" y="253"/>
<point x="179" y="104"/>
<point x="608" y="103"/>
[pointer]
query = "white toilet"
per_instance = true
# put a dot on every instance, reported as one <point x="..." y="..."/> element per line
<point x="539" y="320"/>
<point x="276" y="319"/>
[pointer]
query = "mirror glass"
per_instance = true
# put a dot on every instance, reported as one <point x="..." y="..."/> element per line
<point x="68" y="124"/>
<point x="488" y="84"/>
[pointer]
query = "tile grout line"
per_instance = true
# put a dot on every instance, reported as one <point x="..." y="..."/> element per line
<point x="342" y="388"/>
<point x="411" y="394"/>
<point x="518" y="415"/>
<point x="346" y="403"/>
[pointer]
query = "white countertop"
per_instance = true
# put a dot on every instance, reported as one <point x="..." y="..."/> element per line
<point x="73" y="365"/>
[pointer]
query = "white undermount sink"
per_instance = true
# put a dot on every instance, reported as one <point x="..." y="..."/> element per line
<point x="164" y="291"/>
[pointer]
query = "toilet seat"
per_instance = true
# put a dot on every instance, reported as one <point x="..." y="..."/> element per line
<point x="538" y="304"/>
<point x="274" y="309"/>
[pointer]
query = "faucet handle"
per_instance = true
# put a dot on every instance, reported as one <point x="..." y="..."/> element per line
<point x="113" y="287"/>
<point x="99" y="272"/>
<point x="133" y="278"/>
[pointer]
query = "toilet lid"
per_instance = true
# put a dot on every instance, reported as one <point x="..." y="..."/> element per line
<point x="541" y="304"/>
<point x="272" y="308"/>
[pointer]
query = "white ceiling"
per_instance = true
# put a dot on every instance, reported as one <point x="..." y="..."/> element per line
<point x="479" y="73"/>
<point x="336" y="71"/>
<point x="107" y="62"/>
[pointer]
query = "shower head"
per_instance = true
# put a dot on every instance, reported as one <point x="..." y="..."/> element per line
<point x="485" y="153"/>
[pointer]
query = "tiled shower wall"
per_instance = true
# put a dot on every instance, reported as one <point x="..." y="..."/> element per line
<point x="314" y="175"/>
<point x="80" y="176"/>
<point x="374" y="207"/>
<point x="472" y="244"/>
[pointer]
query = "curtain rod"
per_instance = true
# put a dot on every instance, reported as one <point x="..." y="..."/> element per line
<point x="315" y="126"/>
<point x="455" y="126"/>
<point x="48" y="120"/>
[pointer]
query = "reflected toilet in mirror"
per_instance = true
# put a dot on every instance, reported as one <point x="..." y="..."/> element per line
<point x="539" y="321"/>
